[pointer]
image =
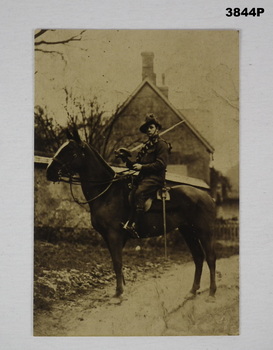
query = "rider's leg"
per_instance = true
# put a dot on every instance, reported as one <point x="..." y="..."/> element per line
<point x="137" y="210"/>
<point x="144" y="190"/>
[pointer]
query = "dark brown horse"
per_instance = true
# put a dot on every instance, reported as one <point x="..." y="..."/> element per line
<point x="191" y="210"/>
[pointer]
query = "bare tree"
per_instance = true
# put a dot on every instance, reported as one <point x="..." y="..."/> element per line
<point x="220" y="185"/>
<point x="44" y="45"/>
<point x="87" y="114"/>
<point x="48" y="135"/>
<point x="90" y="119"/>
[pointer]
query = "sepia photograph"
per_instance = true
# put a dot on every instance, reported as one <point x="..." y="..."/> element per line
<point x="136" y="182"/>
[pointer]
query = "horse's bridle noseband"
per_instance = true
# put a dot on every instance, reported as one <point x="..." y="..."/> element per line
<point x="65" y="168"/>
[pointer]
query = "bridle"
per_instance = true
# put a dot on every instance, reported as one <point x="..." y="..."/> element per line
<point x="65" y="168"/>
<point x="94" y="198"/>
<point x="75" y="180"/>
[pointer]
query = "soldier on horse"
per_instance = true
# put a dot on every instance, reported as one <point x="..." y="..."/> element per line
<point x="151" y="162"/>
<point x="191" y="210"/>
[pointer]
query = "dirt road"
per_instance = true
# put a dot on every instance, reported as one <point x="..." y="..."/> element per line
<point x="153" y="305"/>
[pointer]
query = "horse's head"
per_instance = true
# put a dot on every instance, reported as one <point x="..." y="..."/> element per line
<point x="67" y="161"/>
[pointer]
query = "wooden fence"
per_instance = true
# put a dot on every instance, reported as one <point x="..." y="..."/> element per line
<point x="227" y="231"/>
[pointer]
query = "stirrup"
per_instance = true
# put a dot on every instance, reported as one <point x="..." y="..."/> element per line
<point x="131" y="230"/>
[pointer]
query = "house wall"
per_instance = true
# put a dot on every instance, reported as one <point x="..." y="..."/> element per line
<point x="187" y="149"/>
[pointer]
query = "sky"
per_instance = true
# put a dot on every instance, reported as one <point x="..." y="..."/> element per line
<point x="201" y="69"/>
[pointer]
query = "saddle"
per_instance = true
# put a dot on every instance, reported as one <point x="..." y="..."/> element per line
<point x="158" y="196"/>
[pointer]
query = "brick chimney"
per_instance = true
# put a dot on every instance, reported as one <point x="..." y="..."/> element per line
<point x="164" y="89"/>
<point x="148" y="66"/>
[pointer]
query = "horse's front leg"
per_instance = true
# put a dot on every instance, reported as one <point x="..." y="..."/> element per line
<point x="116" y="241"/>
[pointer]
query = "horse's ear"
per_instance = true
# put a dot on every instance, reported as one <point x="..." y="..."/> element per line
<point x="68" y="134"/>
<point x="76" y="135"/>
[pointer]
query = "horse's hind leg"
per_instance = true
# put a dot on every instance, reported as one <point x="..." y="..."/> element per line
<point x="208" y="246"/>
<point x="197" y="255"/>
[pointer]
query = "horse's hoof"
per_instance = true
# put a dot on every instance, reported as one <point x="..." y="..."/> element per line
<point x="119" y="292"/>
<point x="116" y="300"/>
<point x="190" y="296"/>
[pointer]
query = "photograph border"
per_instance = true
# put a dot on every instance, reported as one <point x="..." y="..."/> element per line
<point x="18" y="23"/>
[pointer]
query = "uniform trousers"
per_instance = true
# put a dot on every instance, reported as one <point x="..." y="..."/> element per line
<point x="145" y="189"/>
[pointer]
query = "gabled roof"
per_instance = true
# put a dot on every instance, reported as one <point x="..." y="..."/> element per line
<point x="176" y="111"/>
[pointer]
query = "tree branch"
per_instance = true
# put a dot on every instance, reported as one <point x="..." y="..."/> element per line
<point x="73" y="38"/>
<point x="53" y="52"/>
<point x="41" y="32"/>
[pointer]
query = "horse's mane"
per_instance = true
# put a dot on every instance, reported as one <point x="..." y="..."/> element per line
<point x="93" y="151"/>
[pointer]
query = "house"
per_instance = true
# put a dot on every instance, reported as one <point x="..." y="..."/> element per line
<point x="191" y="152"/>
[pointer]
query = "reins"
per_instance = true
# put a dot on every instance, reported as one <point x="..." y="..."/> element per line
<point x="77" y="181"/>
<point x="94" y="198"/>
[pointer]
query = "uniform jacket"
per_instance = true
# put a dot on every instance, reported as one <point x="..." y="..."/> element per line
<point x="154" y="158"/>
